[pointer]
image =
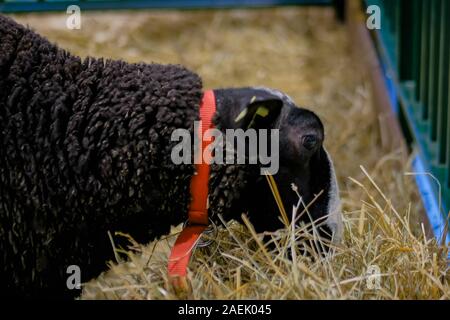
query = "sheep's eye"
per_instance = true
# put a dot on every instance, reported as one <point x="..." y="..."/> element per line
<point x="310" y="141"/>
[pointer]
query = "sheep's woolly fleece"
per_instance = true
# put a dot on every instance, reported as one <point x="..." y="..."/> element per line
<point x="83" y="150"/>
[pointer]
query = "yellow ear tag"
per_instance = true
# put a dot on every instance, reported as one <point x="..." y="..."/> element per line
<point x="241" y="115"/>
<point x="244" y="112"/>
<point x="262" y="111"/>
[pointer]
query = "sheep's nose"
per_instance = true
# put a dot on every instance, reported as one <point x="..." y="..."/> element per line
<point x="310" y="141"/>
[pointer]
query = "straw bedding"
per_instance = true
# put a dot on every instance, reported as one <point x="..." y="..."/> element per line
<point x="305" y="53"/>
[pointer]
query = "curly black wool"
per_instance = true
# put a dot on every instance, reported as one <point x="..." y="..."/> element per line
<point x="84" y="149"/>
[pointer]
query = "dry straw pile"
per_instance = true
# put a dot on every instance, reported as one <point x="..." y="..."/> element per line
<point x="305" y="53"/>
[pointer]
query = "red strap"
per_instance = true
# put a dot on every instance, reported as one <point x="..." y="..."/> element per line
<point x="198" y="210"/>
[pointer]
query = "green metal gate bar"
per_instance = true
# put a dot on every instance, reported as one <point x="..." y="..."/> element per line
<point x="414" y="46"/>
<point x="61" y="5"/>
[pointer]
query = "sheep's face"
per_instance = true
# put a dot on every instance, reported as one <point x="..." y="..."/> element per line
<point x="305" y="177"/>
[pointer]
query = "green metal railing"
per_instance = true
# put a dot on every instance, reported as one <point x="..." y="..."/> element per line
<point x="61" y="5"/>
<point x="414" y="47"/>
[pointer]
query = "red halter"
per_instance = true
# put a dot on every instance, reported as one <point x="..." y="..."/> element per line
<point x="198" y="210"/>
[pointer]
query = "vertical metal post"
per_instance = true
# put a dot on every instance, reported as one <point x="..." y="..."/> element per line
<point x="444" y="81"/>
<point x="433" y="72"/>
<point x="417" y="44"/>
<point x="424" y="60"/>
<point x="406" y="41"/>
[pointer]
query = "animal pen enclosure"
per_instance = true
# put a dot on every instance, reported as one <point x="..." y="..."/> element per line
<point x="414" y="48"/>
<point x="307" y="53"/>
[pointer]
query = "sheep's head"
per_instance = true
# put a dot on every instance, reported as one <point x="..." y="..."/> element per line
<point x="305" y="174"/>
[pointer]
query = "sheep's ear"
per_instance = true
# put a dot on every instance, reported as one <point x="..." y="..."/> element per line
<point x="259" y="113"/>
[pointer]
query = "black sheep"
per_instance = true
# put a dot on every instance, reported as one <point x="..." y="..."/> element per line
<point x="85" y="148"/>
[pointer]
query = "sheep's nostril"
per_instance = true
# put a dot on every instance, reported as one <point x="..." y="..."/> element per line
<point x="310" y="141"/>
